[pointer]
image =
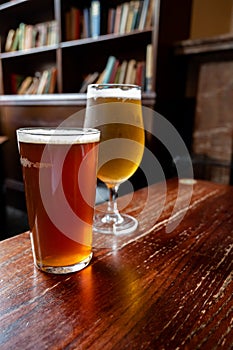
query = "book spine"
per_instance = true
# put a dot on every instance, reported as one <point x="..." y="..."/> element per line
<point x="143" y="15"/>
<point x="15" y="43"/>
<point x="124" y="16"/>
<point x="75" y="23"/>
<point x="114" y="71"/>
<point x="42" y="84"/>
<point x="150" y="18"/>
<point x="131" y="72"/>
<point x="95" y="19"/>
<point x="86" y="23"/>
<point x="149" y="68"/>
<point x="117" y="19"/>
<point x="108" y="70"/>
<point x="111" y="20"/>
<point x="122" y="73"/>
<point x="22" y="27"/>
<point x="9" y="40"/>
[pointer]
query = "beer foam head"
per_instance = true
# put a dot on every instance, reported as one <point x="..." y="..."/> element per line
<point x="58" y="135"/>
<point x="114" y="90"/>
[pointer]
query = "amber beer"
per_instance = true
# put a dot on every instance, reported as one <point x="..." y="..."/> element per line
<point x="59" y="170"/>
<point x="121" y="124"/>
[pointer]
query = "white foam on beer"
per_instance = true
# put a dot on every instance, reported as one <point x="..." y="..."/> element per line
<point x="133" y="92"/>
<point x="57" y="136"/>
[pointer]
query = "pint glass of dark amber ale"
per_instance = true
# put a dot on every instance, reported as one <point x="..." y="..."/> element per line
<point x="59" y="169"/>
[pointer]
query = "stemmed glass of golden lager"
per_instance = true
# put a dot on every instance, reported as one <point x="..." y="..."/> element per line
<point x="116" y="110"/>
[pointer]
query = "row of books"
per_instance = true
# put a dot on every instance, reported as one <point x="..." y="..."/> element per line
<point x="41" y="83"/>
<point x="83" y="23"/>
<point x="123" y="72"/>
<point x="124" y="18"/>
<point x="130" y="16"/>
<point x="28" y="36"/>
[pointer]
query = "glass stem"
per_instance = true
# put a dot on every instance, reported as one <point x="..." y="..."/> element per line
<point x="113" y="214"/>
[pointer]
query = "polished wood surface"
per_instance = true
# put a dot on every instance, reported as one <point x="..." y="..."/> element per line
<point x="151" y="290"/>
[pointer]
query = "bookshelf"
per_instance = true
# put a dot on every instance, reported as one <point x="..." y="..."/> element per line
<point x="74" y="54"/>
<point x="75" y="38"/>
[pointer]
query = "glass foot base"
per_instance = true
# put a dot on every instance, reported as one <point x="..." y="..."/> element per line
<point x="127" y="225"/>
<point x="65" y="269"/>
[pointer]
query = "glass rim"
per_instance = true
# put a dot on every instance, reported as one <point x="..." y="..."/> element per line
<point x="48" y="134"/>
<point x="121" y="91"/>
<point x="112" y="85"/>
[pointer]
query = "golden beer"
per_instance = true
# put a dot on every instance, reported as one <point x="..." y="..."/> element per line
<point x="122" y="136"/>
<point x="115" y="109"/>
<point x="60" y="181"/>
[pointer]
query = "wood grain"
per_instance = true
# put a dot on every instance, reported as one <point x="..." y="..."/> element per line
<point x="155" y="290"/>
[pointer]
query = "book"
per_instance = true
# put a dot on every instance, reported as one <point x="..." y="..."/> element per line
<point x="22" y="28"/>
<point x="122" y="73"/>
<point x="143" y="15"/>
<point x="114" y="71"/>
<point x="53" y="80"/>
<point x="41" y="34"/>
<point x="68" y="25"/>
<point x="143" y="75"/>
<point x="124" y="16"/>
<point x="15" y="43"/>
<point x="9" y="40"/>
<point x="101" y="77"/>
<point x="149" y="16"/>
<point x="24" y="85"/>
<point x="111" y="20"/>
<point x="32" y="89"/>
<point x="140" y="74"/>
<point x="52" y="33"/>
<point x="28" y="40"/>
<point x="117" y="19"/>
<point x="47" y="83"/>
<point x="130" y="72"/>
<point x="42" y="82"/>
<point x="95" y="18"/>
<point x="129" y="22"/>
<point x="90" y="79"/>
<point x="137" y="14"/>
<point x="75" y="23"/>
<point x="108" y="69"/>
<point x="86" y="23"/>
<point x="116" y="80"/>
<point x="149" y="68"/>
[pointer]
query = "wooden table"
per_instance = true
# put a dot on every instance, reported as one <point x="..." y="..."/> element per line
<point x="151" y="290"/>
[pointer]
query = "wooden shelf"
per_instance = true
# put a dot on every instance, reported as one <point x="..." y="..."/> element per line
<point x="13" y="3"/>
<point x="58" y="99"/>
<point x="35" y="50"/>
<point x="196" y="46"/>
<point x="106" y="37"/>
